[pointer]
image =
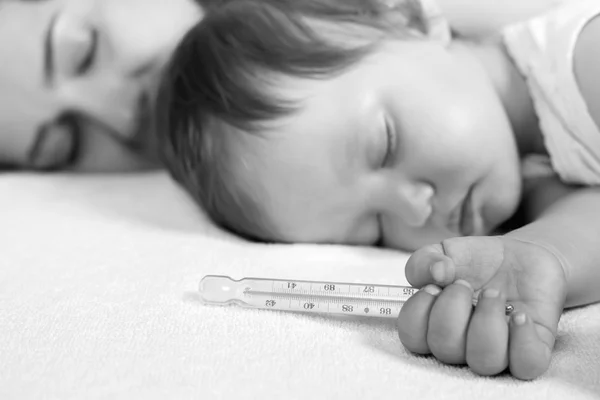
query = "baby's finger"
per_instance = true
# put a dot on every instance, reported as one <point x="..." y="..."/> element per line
<point x="529" y="355"/>
<point x="487" y="338"/>
<point x="449" y="321"/>
<point x="430" y="265"/>
<point x="414" y="318"/>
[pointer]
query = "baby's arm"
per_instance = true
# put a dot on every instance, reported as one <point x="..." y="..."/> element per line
<point x="480" y="18"/>
<point x="569" y="228"/>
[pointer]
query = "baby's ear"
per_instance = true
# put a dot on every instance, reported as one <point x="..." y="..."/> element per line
<point x="424" y="17"/>
<point x="436" y="26"/>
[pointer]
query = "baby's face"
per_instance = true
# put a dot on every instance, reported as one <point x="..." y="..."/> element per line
<point x="410" y="147"/>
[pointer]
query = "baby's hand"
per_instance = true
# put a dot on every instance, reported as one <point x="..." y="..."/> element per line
<point x="501" y="270"/>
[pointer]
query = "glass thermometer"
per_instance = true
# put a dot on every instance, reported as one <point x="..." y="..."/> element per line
<point x="384" y="301"/>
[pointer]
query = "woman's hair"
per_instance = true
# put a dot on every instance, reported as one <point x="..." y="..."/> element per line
<point x="217" y="84"/>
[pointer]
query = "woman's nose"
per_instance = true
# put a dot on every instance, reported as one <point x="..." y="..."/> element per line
<point x="413" y="202"/>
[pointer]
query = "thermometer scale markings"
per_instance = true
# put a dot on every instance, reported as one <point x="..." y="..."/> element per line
<point x="340" y="296"/>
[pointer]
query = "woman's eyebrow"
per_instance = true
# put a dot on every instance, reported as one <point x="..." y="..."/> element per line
<point x="49" y="52"/>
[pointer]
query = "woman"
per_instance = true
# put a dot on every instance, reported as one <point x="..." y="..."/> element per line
<point x="76" y="78"/>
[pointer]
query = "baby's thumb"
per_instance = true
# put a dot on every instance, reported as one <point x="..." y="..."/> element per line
<point x="430" y="265"/>
<point x="476" y="258"/>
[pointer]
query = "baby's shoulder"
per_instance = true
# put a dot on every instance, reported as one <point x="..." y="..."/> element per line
<point x="548" y="51"/>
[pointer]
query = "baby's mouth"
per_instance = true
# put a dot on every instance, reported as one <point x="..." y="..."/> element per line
<point x="461" y="219"/>
<point x="467" y="219"/>
<point x="455" y="217"/>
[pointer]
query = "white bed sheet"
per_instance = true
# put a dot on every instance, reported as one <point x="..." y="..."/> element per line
<point x="98" y="299"/>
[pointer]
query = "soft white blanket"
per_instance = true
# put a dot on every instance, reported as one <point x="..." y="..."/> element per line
<point x="98" y="299"/>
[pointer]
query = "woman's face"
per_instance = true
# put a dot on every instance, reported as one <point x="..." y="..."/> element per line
<point x="77" y="76"/>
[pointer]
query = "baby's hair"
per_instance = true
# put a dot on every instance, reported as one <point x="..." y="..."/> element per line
<point x="217" y="84"/>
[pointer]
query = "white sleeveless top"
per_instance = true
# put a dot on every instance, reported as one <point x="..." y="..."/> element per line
<point x="543" y="48"/>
